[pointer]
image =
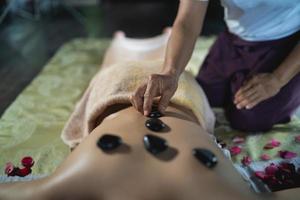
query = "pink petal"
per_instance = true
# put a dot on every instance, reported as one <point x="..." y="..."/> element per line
<point x="260" y="174"/>
<point x="272" y="143"/>
<point x="275" y="143"/>
<point x="238" y="140"/>
<point x="9" y="168"/>
<point x="235" y="150"/>
<point x="297" y="138"/>
<point x="265" y="157"/>
<point x="287" y="154"/>
<point x="246" y="160"/>
<point x="271" y="169"/>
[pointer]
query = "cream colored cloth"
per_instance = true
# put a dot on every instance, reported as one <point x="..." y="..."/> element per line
<point x="115" y="84"/>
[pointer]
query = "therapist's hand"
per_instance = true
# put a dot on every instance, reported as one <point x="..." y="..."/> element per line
<point x="259" y="88"/>
<point x="157" y="85"/>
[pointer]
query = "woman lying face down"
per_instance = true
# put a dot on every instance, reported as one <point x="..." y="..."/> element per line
<point x="132" y="172"/>
<point x="133" y="167"/>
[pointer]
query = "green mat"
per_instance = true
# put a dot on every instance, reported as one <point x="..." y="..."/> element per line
<point x="32" y="124"/>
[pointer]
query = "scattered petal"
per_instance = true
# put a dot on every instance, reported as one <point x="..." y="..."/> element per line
<point x="275" y="142"/>
<point x="287" y="154"/>
<point x="279" y="177"/>
<point x="246" y="160"/>
<point x="23" y="172"/>
<point x="27" y="161"/>
<point x="297" y="138"/>
<point x="265" y="157"/>
<point x="235" y="150"/>
<point x="287" y="167"/>
<point x="272" y="144"/>
<point x="271" y="169"/>
<point x="260" y="174"/>
<point x="9" y="169"/>
<point x="238" y="140"/>
<point x="268" y="146"/>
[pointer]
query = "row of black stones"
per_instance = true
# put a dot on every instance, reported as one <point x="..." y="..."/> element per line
<point x="155" y="144"/>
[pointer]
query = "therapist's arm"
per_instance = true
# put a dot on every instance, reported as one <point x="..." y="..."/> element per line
<point x="186" y="29"/>
<point x="267" y="85"/>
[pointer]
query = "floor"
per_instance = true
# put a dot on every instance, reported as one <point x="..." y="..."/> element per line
<point x="27" y="42"/>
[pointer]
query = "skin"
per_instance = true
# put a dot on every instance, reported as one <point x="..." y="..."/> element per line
<point x="186" y="29"/>
<point x="132" y="173"/>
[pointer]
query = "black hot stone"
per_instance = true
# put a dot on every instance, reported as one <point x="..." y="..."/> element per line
<point x="155" y="124"/>
<point x="109" y="142"/>
<point x="154" y="144"/>
<point x="155" y="114"/>
<point x="206" y="157"/>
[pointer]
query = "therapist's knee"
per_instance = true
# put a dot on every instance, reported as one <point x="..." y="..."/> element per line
<point x="249" y="120"/>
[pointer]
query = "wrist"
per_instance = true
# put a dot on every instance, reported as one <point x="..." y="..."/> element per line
<point x="279" y="79"/>
<point x="171" y="71"/>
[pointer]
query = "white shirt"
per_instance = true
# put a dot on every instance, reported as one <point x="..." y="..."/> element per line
<point x="261" y="20"/>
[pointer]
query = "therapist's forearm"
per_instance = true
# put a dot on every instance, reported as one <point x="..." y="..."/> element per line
<point x="182" y="41"/>
<point x="289" y="68"/>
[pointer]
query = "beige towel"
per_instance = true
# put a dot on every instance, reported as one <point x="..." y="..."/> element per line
<point x="115" y="84"/>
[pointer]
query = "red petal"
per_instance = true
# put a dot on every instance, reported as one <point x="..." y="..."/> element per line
<point x="246" y="160"/>
<point x="235" y="150"/>
<point x="268" y="146"/>
<point x="272" y="143"/>
<point x="287" y="154"/>
<point x="265" y="157"/>
<point x="27" y="161"/>
<point x="23" y="172"/>
<point x="297" y="138"/>
<point x="238" y="140"/>
<point x="260" y="174"/>
<point x="271" y="169"/>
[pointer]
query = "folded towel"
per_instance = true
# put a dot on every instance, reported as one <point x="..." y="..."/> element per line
<point x="115" y="85"/>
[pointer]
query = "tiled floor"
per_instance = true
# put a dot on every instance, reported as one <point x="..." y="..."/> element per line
<point x="27" y="44"/>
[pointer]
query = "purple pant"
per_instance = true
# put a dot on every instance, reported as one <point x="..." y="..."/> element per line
<point x="231" y="61"/>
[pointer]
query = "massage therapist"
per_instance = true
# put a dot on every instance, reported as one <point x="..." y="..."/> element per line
<point x="252" y="69"/>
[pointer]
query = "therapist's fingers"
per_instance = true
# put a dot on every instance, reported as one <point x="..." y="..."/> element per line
<point x="247" y="85"/>
<point x="137" y="99"/>
<point x="245" y="95"/>
<point x="150" y="93"/>
<point x="164" y="101"/>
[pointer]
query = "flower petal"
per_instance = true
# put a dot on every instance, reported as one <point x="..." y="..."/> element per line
<point x="268" y="146"/>
<point x="27" y="161"/>
<point x="271" y="169"/>
<point x="297" y="138"/>
<point x="23" y="172"/>
<point x="265" y="157"/>
<point x="275" y="143"/>
<point x="235" y="150"/>
<point x="272" y="143"/>
<point x="260" y="174"/>
<point x="246" y="160"/>
<point x="9" y="168"/>
<point x="287" y="154"/>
